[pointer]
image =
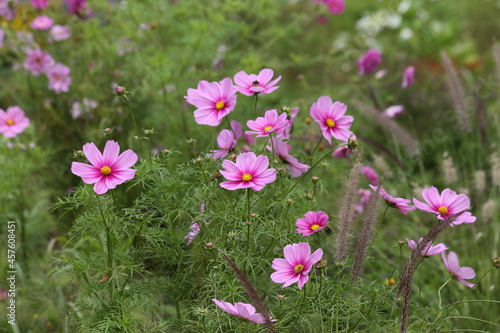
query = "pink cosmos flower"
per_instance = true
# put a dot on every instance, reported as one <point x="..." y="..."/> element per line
<point x="242" y="310"/>
<point x="270" y="123"/>
<point x="108" y="169"/>
<point x="256" y="84"/>
<point x="227" y="140"/>
<point x="42" y="22"/>
<point x="408" y="77"/>
<point x="213" y="101"/>
<point x="399" y="203"/>
<point x="369" y="62"/>
<point x="77" y="7"/>
<point x="297" y="264"/>
<point x="281" y="149"/>
<point x="248" y="171"/>
<point x="394" y="111"/>
<point x="59" y="79"/>
<point x="429" y="249"/>
<point x="331" y="119"/>
<point x="195" y="229"/>
<point x="458" y="273"/>
<point x="312" y="223"/>
<point x="38" y="62"/>
<point x="370" y="174"/>
<point x="8" y="9"/>
<point x="13" y="121"/>
<point x="335" y="6"/>
<point x="446" y="205"/>
<point x="40" y="4"/>
<point x="60" y="32"/>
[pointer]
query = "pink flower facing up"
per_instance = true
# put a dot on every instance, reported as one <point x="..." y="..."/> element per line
<point x="248" y="171"/>
<point x="394" y="111"/>
<point x="213" y="101"/>
<point x="370" y="174"/>
<point x="429" y="249"/>
<point x="331" y="119"/>
<point x="312" y="223"/>
<point x="369" y="62"/>
<point x="59" y="79"/>
<point x="195" y="229"/>
<point x="408" y="77"/>
<point x="458" y="273"/>
<point x="270" y="123"/>
<point x="242" y="310"/>
<point x="297" y="264"/>
<point x="281" y="149"/>
<point x="446" y="205"/>
<point x="252" y="84"/>
<point x="227" y="140"/>
<point x="42" y="23"/>
<point x="38" y="62"/>
<point x="108" y="169"/>
<point x="13" y="121"/>
<point x="40" y="4"/>
<point x="399" y="203"/>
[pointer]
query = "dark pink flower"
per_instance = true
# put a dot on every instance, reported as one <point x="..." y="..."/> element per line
<point x="399" y="203"/>
<point x="297" y="264"/>
<point x="370" y="174"/>
<point x="251" y="84"/>
<point x="335" y="6"/>
<point x="108" y="169"/>
<point x="369" y="62"/>
<point x="77" y="7"/>
<point x="40" y="4"/>
<point x="394" y="111"/>
<point x="458" y="273"/>
<point x="281" y="149"/>
<point x="13" y="121"/>
<point x="248" y="171"/>
<point x="408" y="77"/>
<point x="445" y="205"/>
<point x="42" y="22"/>
<point x="242" y="310"/>
<point x="312" y="223"/>
<point x="331" y="119"/>
<point x="194" y="230"/>
<point x="38" y="62"/>
<point x="270" y="123"/>
<point x="227" y="140"/>
<point x="429" y="249"/>
<point x="213" y="100"/>
<point x="59" y="79"/>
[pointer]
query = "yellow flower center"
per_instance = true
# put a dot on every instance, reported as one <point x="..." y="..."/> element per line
<point x="9" y="122"/>
<point x="443" y="210"/>
<point x="105" y="170"/>
<point x="298" y="268"/>
<point x="314" y="226"/>
<point x="267" y="128"/>
<point x="220" y="105"/>
<point x="330" y="123"/>
<point x="246" y="177"/>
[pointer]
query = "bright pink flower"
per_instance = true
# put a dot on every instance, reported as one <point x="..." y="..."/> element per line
<point x="38" y="62"/>
<point x="429" y="249"/>
<point x="297" y="264"/>
<point x="446" y="205"/>
<point x="312" y="223"/>
<point x="281" y="149"/>
<point x="331" y="119"/>
<point x="40" y="4"/>
<point x="458" y="273"/>
<point x="399" y="203"/>
<point x="108" y="169"/>
<point x="227" y="140"/>
<point x="369" y="62"/>
<point x="242" y="310"/>
<point x="13" y="121"/>
<point x="270" y="123"/>
<point x="195" y="229"/>
<point x="370" y="174"/>
<point x="252" y="84"/>
<point x="213" y="101"/>
<point x="394" y="111"/>
<point x="408" y="77"/>
<point x="77" y="7"/>
<point x="248" y="171"/>
<point x="59" y="79"/>
<point x="335" y="6"/>
<point x="42" y="22"/>
<point x="60" y="32"/>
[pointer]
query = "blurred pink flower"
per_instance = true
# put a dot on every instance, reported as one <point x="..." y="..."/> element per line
<point x="297" y="264"/>
<point x="458" y="273"/>
<point x="195" y="229"/>
<point x="335" y="6"/>
<point x="13" y="121"/>
<point x="242" y="310"/>
<point x="252" y="84"/>
<point x="408" y="77"/>
<point x="77" y="7"/>
<point x="445" y="205"/>
<point x="364" y="197"/>
<point x="331" y="119"/>
<point x="8" y="9"/>
<point x="40" y="4"/>
<point x="369" y="62"/>
<point x="370" y="174"/>
<point x="59" y="80"/>
<point x="312" y="223"/>
<point x="429" y="249"/>
<point x="399" y="203"/>
<point x="270" y="123"/>
<point x="394" y="111"/>
<point x="108" y="169"/>
<point x="38" y="62"/>
<point x="248" y="171"/>
<point x="60" y="32"/>
<point x="42" y="22"/>
<point x="227" y="140"/>
<point x="281" y="149"/>
<point x="213" y="101"/>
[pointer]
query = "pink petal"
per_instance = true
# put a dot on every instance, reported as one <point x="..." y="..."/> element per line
<point x="100" y="186"/>
<point x="110" y="154"/>
<point x="93" y="154"/>
<point x="89" y="173"/>
<point x="265" y="76"/>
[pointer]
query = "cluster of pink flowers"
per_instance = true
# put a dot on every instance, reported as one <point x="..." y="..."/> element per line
<point x="13" y="121"/>
<point x="38" y="62"/>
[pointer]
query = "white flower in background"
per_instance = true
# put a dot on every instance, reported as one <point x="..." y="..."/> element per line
<point x="406" y="34"/>
<point x="404" y="6"/>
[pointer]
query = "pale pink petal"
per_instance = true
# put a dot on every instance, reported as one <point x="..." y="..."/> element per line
<point x="93" y="154"/>
<point x="110" y="153"/>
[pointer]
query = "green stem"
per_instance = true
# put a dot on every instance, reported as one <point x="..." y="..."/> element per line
<point x="135" y="123"/>
<point x="109" y="244"/>
<point x="439" y="291"/>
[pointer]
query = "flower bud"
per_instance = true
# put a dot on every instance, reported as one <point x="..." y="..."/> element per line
<point x="119" y="90"/>
<point x="496" y="262"/>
